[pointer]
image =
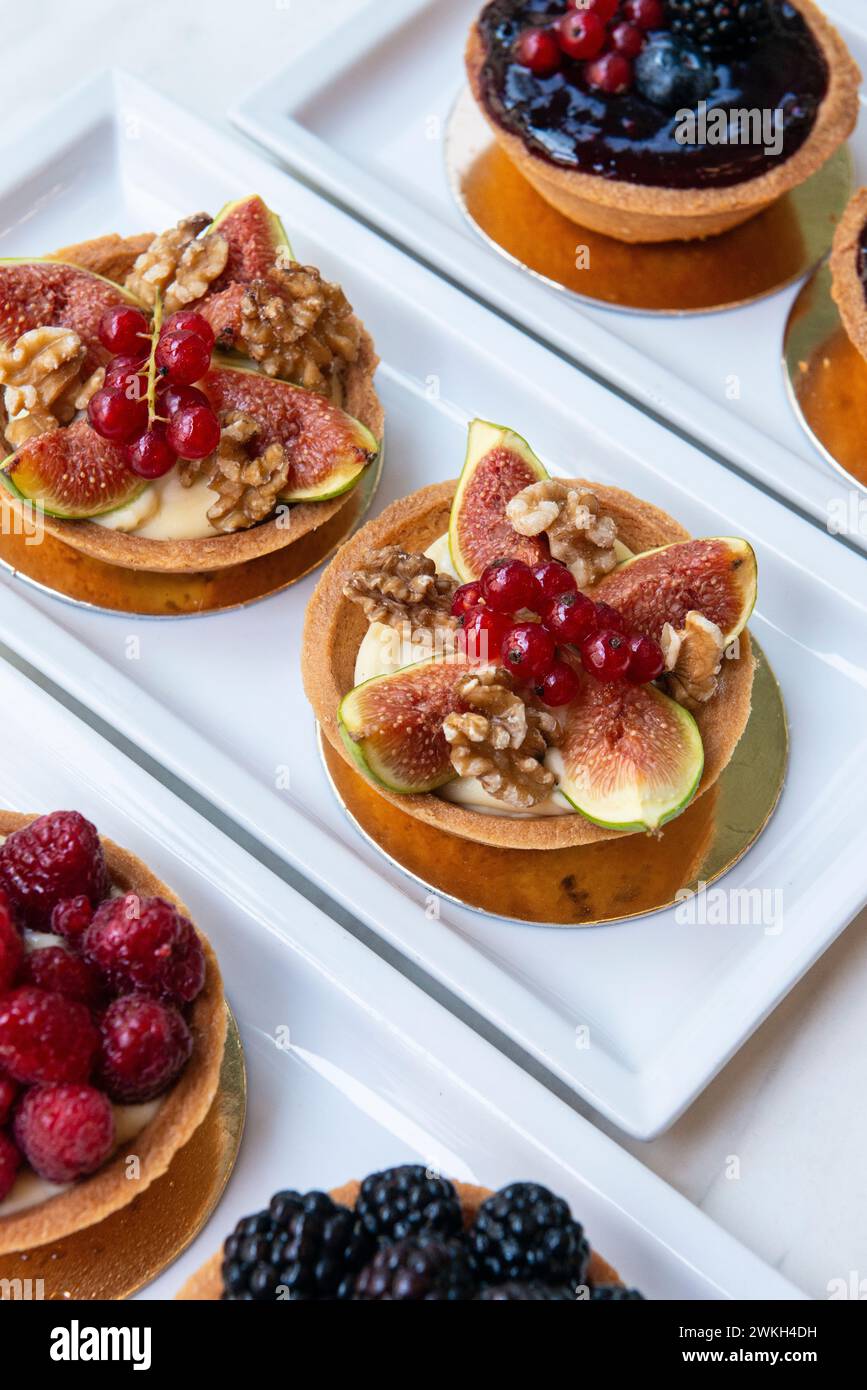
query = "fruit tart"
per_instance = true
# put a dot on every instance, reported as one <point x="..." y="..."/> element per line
<point x="212" y="404"/>
<point x="112" y="1028"/>
<point x="621" y="113"/>
<point x="531" y="662"/>
<point x="849" y="270"/>
<point x="406" y="1235"/>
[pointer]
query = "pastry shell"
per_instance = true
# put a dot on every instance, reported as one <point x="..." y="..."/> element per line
<point x="223" y="551"/>
<point x="207" y="1283"/>
<point x="635" y="212"/>
<point x="847" y="286"/>
<point x="182" y="1110"/>
<point x="335" y="627"/>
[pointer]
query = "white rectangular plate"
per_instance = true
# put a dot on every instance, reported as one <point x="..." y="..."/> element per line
<point x="374" y="1073"/>
<point x="363" y="116"/>
<point x="219" y="700"/>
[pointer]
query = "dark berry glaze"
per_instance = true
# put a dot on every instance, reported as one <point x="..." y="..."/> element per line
<point x="862" y="257"/>
<point x="628" y="137"/>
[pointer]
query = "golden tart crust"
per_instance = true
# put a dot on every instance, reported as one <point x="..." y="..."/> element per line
<point x="133" y="552"/>
<point x="207" y="1283"/>
<point x="182" y="1110"/>
<point x="847" y="286"/>
<point x="639" y="212"/>
<point x="334" y="629"/>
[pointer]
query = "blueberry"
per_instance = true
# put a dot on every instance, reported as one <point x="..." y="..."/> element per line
<point x="671" y="75"/>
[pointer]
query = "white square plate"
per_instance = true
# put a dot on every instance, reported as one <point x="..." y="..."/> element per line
<point x="219" y="700"/>
<point x="374" y="1072"/>
<point x="362" y="116"/>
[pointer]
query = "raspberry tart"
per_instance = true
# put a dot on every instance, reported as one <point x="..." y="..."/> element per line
<point x="212" y="404"/>
<point x="532" y="663"/>
<point x="112" y="1027"/>
<point x="849" y="270"/>
<point x="405" y="1235"/>
<point x="599" y="104"/>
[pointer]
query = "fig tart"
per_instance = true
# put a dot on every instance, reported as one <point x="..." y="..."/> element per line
<point x="212" y="403"/>
<point x="532" y="662"/>
<point x="112" y="1028"/>
<point x="407" y="1235"/>
<point x="849" y="270"/>
<point x="662" y="120"/>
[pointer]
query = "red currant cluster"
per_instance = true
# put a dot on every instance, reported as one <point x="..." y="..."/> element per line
<point x="172" y="421"/>
<point x="492" y="612"/>
<point x="606" y="35"/>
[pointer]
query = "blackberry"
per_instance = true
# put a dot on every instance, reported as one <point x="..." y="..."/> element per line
<point x="526" y="1234"/>
<point x="614" y="1293"/>
<point x="423" y="1268"/>
<point x="301" y="1248"/>
<point x="402" y="1201"/>
<point x="525" y="1293"/>
<point x="721" y="27"/>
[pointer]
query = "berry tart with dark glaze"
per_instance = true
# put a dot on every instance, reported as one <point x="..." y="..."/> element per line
<point x="532" y="663"/>
<point x="403" y="1235"/>
<point x="112" y="1027"/>
<point x="586" y="97"/>
<point x="211" y="404"/>
<point x="849" y="270"/>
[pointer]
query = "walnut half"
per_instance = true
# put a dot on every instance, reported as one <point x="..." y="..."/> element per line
<point x="248" y="487"/>
<point x="42" y="381"/>
<point x="578" y="534"/>
<point x="156" y="268"/>
<point x="395" y="588"/>
<point x="500" y="740"/>
<point x="297" y="325"/>
<point x="693" y="659"/>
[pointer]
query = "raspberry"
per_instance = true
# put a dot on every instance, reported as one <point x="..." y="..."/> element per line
<point x="8" y="1092"/>
<point x="145" y="1045"/>
<point x="64" y="1132"/>
<point x="71" y="918"/>
<point x="10" y="1162"/>
<point x="55" y="969"/>
<point x="58" y="856"/>
<point x="11" y="945"/>
<point x="44" y="1037"/>
<point x="144" y="944"/>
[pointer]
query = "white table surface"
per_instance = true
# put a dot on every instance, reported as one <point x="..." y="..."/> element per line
<point x="775" y="1149"/>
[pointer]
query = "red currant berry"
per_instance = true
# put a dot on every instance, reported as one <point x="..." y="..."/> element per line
<point x="465" y="598"/>
<point x="572" y="617"/>
<point x="151" y="456"/>
<point x="554" y="579"/>
<point x="194" y="431"/>
<point x="538" y="50"/>
<point x="608" y="617"/>
<point x="183" y="356"/>
<point x="173" y="398"/>
<point x="647" y="14"/>
<point x="559" y="686"/>
<point x="612" y="74"/>
<point x="189" y="322"/>
<point x="528" y="650"/>
<point x="628" y="40"/>
<point x="509" y="585"/>
<point x="606" y="655"/>
<point x="126" y="374"/>
<point x="483" y="632"/>
<point x="605" y="9"/>
<point x="646" y="661"/>
<point x="580" y="35"/>
<point x="122" y="329"/>
<point x="115" y="416"/>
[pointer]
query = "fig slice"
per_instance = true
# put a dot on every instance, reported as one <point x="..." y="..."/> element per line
<point x="328" y="448"/>
<point x="392" y="725"/>
<point x="36" y="291"/>
<point x="254" y="235"/>
<point x="499" y="464"/>
<point x="72" y="473"/>
<point x="630" y="759"/>
<point x="716" y="578"/>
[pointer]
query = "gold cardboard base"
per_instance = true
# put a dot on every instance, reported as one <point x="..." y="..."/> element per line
<point x="748" y="263"/>
<point x="590" y="884"/>
<point x="827" y="378"/>
<point x="129" y="1249"/>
